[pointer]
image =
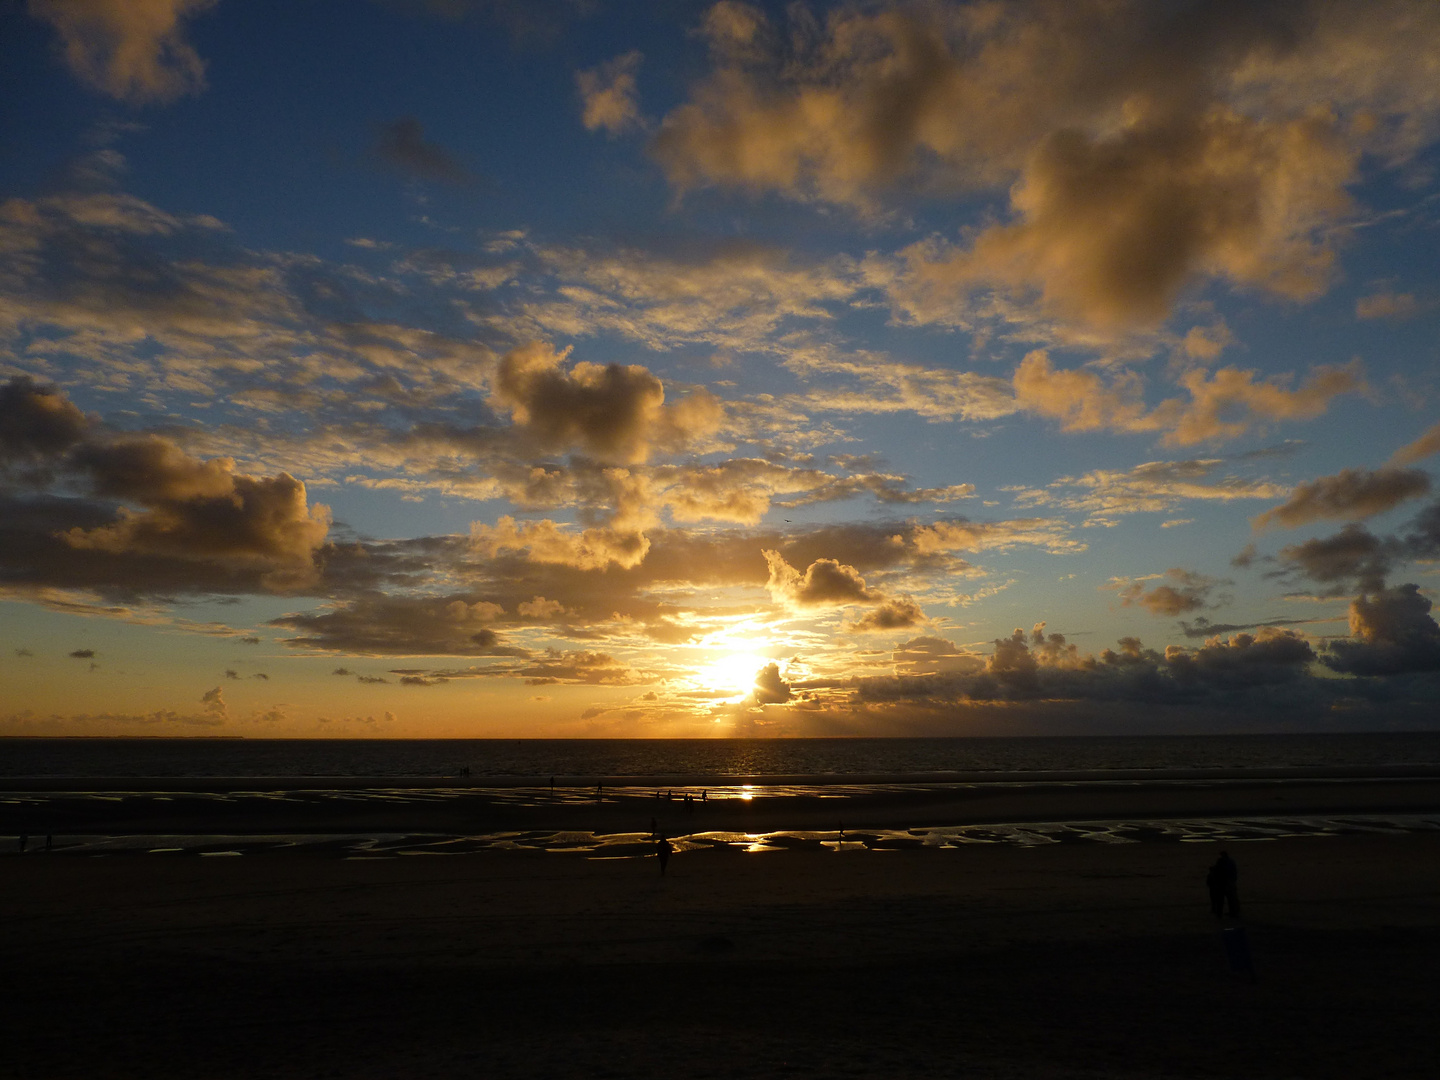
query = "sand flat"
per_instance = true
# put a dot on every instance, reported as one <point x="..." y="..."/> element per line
<point x="1058" y="961"/>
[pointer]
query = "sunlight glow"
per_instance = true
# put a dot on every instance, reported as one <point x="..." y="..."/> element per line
<point x="731" y="674"/>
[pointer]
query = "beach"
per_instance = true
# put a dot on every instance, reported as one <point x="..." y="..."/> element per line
<point x="823" y="958"/>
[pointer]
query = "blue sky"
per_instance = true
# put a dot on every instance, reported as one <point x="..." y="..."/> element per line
<point x="580" y="368"/>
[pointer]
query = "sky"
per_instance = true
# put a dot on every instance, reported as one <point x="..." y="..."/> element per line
<point x="568" y="368"/>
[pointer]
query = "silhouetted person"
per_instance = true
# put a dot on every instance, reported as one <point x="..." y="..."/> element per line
<point x="663" y="848"/>
<point x="24" y="843"/>
<point x="1222" y="880"/>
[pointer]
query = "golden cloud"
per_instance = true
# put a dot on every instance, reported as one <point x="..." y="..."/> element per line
<point x="608" y="94"/>
<point x="1162" y="147"/>
<point x="1224" y="404"/>
<point x="134" y="50"/>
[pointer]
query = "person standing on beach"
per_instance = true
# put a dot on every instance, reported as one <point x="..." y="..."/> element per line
<point x="1222" y="880"/>
<point x="663" y="848"/>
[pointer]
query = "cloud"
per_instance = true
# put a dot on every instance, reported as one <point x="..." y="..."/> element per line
<point x="732" y="294"/>
<point x="202" y="510"/>
<point x="1225" y="404"/>
<point x="214" y="703"/>
<point x="580" y="668"/>
<point x="1151" y="487"/>
<point x="1110" y="229"/>
<point x="1387" y="305"/>
<point x="1421" y="448"/>
<point x="616" y="412"/>
<point x="1349" y="495"/>
<point x="1392" y="633"/>
<point x="890" y="615"/>
<point x="83" y="654"/>
<point x="133" y="50"/>
<point x="825" y="583"/>
<point x="934" y="656"/>
<point x="547" y="542"/>
<point x="1165" y="146"/>
<point x="770" y="688"/>
<point x="1352" y="554"/>
<point x="1189" y="592"/>
<point x="889" y="386"/>
<point x="1204" y="628"/>
<point x="1250" y="674"/>
<point x="190" y="509"/>
<point x="540" y="608"/>
<point x="1052" y="534"/>
<point x="401" y="144"/>
<point x="608" y="94"/>
<point x="36" y="422"/>
<point x="1357" y="558"/>
<point x="400" y="626"/>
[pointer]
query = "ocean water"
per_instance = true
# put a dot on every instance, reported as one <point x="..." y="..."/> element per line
<point x="676" y="759"/>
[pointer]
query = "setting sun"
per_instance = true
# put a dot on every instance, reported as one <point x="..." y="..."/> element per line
<point x="733" y="674"/>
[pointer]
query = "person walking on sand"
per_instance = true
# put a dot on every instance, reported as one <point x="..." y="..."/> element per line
<point x="663" y="848"/>
<point x="1222" y="880"/>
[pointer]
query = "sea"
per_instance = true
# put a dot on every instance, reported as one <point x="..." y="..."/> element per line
<point x="586" y="760"/>
<point x="45" y="780"/>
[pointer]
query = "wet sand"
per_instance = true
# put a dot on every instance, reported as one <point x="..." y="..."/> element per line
<point x="1066" y="960"/>
<point x="166" y="808"/>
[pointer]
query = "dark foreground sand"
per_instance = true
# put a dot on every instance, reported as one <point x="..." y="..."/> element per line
<point x="1061" y="961"/>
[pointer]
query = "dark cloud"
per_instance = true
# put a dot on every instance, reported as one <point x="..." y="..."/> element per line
<point x="770" y="688"/>
<point x="1187" y="591"/>
<point x="342" y="671"/>
<point x="1391" y="633"/>
<point x="230" y="673"/>
<point x="1355" y="559"/>
<point x="890" y="615"/>
<point x="1349" y="495"/>
<point x="83" y="654"/>
<point x="401" y="144"/>
<point x="400" y="626"/>
<point x="1244" y="671"/>
<point x="37" y="422"/>
<point x="1204" y="628"/>
<point x="551" y="667"/>
<point x="224" y="525"/>
<point x="1353" y="556"/>
<point x="581" y="667"/>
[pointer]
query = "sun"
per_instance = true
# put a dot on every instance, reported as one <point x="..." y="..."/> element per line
<point x="733" y="673"/>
